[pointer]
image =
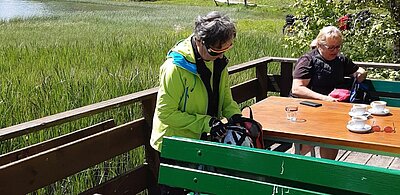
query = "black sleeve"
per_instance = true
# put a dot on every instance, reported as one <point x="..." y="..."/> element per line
<point x="303" y="68"/>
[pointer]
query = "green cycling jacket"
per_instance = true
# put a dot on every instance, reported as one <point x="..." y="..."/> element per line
<point x="182" y="100"/>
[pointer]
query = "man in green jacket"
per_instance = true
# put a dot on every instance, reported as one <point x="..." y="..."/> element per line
<point x="194" y="90"/>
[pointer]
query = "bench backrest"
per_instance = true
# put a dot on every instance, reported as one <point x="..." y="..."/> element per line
<point x="242" y="170"/>
<point x="388" y="91"/>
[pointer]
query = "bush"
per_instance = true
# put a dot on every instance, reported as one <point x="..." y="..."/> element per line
<point x="369" y="38"/>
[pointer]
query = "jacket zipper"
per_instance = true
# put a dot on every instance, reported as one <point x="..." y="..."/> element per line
<point x="186" y="97"/>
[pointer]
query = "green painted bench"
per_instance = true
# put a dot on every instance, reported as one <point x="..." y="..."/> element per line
<point x="388" y="91"/>
<point x="242" y="170"/>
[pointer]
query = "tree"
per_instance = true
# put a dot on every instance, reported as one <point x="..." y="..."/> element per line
<point x="393" y="7"/>
<point x="369" y="37"/>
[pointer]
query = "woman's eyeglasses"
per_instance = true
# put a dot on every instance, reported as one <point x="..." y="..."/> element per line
<point x="214" y="52"/>
<point x="386" y="129"/>
<point x="332" y="47"/>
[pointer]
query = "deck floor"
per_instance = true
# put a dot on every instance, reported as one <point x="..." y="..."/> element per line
<point x="359" y="158"/>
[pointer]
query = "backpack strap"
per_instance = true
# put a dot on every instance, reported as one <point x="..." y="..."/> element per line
<point x="250" y="111"/>
<point x="255" y="130"/>
<point x="239" y="141"/>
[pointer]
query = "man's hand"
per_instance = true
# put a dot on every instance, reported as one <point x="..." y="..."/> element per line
<point x="217" y="128"/>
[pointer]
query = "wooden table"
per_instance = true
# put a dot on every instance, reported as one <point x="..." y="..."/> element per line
<point x="326" y="126"/>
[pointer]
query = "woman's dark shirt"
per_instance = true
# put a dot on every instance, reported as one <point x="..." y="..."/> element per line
<point x="325" y="75"/>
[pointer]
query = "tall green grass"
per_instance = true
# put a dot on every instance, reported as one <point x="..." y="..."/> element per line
<point x="97" y="50"/>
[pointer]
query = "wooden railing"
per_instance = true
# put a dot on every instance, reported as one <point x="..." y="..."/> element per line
<point x="31" y="168"/>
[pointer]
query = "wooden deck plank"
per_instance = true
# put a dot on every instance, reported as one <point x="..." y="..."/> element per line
<point x="358" y="158"/>
<point x="380" y="161"/>
<point x="342" y="154"/>
<point x="395" y="164"/>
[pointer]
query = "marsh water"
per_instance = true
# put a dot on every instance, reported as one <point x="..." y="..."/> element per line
<point x="13" y="9"/>
<point x="10" y="9"/>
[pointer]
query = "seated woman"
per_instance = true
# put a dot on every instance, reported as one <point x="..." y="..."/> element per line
<point x="322" y="70"/>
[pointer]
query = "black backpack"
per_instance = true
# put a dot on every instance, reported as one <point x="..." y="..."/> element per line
<point x="359" y="93"/>
<point x="246" y="126"/>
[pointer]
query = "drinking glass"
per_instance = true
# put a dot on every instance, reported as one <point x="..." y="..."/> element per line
<point x="291" y="112"/>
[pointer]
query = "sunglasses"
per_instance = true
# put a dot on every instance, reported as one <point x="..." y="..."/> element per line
<point x="332" y="48"/>
<point x="386" y="129"/>
<point x="215" y="52"/>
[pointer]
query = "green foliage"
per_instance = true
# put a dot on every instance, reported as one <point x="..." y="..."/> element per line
<point x="384" y="74"/>
<point x="94" y="50"/>
<point x="311" y="17"/>
<point x="370" y="40"/>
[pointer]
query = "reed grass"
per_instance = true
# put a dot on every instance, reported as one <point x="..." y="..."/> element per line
<point x="91" y="51"/>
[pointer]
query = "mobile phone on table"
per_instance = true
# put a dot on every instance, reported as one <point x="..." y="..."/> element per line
<point x="310" y="103"/>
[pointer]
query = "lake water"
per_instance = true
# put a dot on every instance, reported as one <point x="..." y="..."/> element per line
<point x="10" y="9"/>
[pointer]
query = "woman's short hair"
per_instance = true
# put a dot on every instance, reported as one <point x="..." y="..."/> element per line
<point x="329" y="32"/>
<point x="313" y="44"/>
<point x="214" y="29"/>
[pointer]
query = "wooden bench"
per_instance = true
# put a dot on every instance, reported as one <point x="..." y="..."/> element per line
<point x="388" y="91"/>
<point x="243" y="170"/>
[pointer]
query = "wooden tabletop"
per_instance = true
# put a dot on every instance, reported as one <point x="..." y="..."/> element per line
<point x="326" y="125"/>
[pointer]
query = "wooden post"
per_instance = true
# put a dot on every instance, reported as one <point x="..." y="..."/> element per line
<point x="261" y="74"/>
<point x="152" y="158"/>
<point x="286" y="78"/>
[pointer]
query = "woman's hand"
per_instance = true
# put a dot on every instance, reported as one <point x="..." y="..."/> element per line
<point x="360" y="74"/>
<point x="330" y="99"/>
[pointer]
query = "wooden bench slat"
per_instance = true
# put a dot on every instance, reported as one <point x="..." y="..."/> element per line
<point x="48" y="144"/>
<point x="388" y="91"/>
<point x="31" y="173"/>
<point x="215" y="183"/>
<point x="395" y="102"/>
<point x="384" y="86"/>
<point x="296" y="168"/>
